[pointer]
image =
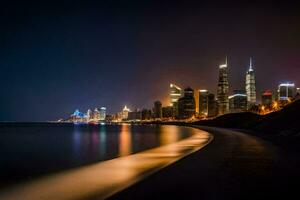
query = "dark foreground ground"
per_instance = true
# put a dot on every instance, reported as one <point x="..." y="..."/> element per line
<point x="233" y="166"/>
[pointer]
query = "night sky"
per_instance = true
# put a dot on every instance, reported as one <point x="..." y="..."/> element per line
<point x="56" y="57"/>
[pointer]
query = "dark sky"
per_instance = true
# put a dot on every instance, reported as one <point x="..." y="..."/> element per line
<point x="59" y="56"/>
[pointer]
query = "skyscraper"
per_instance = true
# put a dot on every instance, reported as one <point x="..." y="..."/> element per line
<point x="125" y="112"/>
<point x="286" y="91"/>
<point x="250" y="86"/>
<point x="203" y="102"/>
<point x="102" y="113"/>
<point x="212" y="105"/>
<point x="175" y="93"/>
<point x="223" y="89"/>
<point x="186" y="104"/>
<point x="238" y="101"/>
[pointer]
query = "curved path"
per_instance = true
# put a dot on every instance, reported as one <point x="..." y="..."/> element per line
<point x="106" y="178"/>
<point x="233" y="166"/>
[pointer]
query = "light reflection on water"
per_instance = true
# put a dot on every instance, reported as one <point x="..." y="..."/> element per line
<point x="125" y="140"/>
<point x="101" y="180"/>
<point x="33" y="150"/>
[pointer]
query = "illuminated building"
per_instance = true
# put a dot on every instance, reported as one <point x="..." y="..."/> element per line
<point x="238" y="102"/>
<point x="267" y="97"/>
<point x="175" y="93"/>
<point x="286" y="91"/>
<point x="186" y="104"/>
<point x="157" y="110"/>
<point x="167" y="112"/>
<point x="102" y="113"/>
<point x="89" y="114"/>
<point x="223" y="89"/>
<point x="96" y="114"/>
<point x="77" y="116"/>
<point x="212" y="105"/>
<point x="125" y="112"/>
<point x="203" y="102"/>
<point x="298" y="92"/>
<point x="250" y="86"/>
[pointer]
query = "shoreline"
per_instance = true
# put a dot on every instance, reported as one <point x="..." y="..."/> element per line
<point x="234" y="166"/>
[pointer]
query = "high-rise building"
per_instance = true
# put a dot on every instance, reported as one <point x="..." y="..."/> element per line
<point x="212" y="105"/>
<point x="125" y="112"/>
<point x="250" y="86"/>
<point x="238" y="102"/>
<point x="102" y="113"/>
<point x="267" y="98"/>
<point x="223" y="89"/>
<point x="203" y="102"/>
<point x="175" y="93"/>
<point x="96" y="114"/>
<point x="286" y="91"/>
<point x="297" y="96"/>
<point x="157" y="110"/>
<point x="89" y="114"/>
<point x="186" y="104"/>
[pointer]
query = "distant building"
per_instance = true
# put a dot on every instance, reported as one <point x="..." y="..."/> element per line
<point x="109" y="118"/>
<point x="267" y="98"/>
<point x="186" y="104"/>
<point x="175" y="94"/>
<point x="77" y="116"/>
<point x="157" y="110"/>
<point x="238" y="102"/>
<point x="96" y="114"/>
<point x="102" y="113"/>
<point x="135" y="115"/>
<point x="125" y="112"/>
<point x="146" y="114"/>
<point x="250" y="86"/>
<point x="286" y="91"/>
<point x="167" y="112"/>
<point x="89" y="114"/>
<point x="203" y="102"/>
<point x="212" y="105"/>
<point x="223" y="89"/>
<point x="297" y="93"/>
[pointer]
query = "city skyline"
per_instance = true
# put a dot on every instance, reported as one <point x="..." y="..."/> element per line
<point x="98" y="54"/>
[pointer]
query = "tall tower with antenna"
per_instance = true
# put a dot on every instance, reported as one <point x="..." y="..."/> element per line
<point x="250" y="86"/>
<point x="223" y="89"/>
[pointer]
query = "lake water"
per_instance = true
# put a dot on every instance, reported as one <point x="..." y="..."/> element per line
<point x="29" y="150"/>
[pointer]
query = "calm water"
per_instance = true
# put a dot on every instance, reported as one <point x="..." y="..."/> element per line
<point x="28" y="150"/>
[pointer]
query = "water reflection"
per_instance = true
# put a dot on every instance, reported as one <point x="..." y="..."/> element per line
<point x="169" y="134"/>
<point x="108" y="177"/>
<point x="95" y="139"/>
<point x="102" y="140"/>
<point x="125" y="144"/>
<point x="72" y="146"/>
<point x="76" y="143"/>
